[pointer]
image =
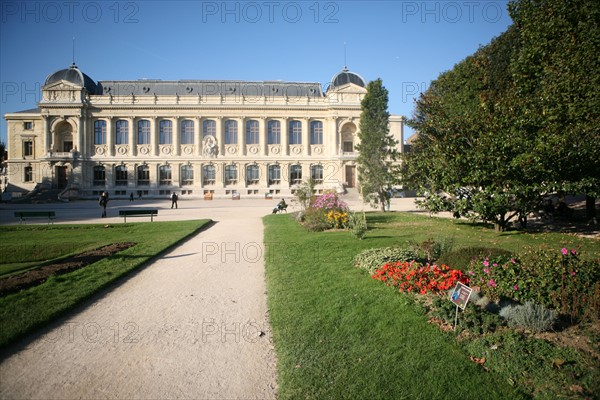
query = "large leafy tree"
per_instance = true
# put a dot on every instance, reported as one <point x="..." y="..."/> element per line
<point x="514" y="121"/>
<point x="557" y="73"/>
<point x="377" y="160"/>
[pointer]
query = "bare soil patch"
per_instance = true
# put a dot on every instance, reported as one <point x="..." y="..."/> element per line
<point x="34" y="277"/>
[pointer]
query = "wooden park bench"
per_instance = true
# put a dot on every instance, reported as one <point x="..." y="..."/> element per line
<point x="137" y="212"/>
<point x="26" y="215"/>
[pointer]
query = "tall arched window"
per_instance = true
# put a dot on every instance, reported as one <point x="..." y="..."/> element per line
<point x="316" y="173"/>
<point x="231" y="174"/>
<point x="231" y="135"/>
<point x="187" y="131"/>
<point x="165" y="135"/>
<point x="122" y="132"/>
<point x="121" y="175"/>
<point x="209" y="127"/>
<point x="143" y="175"/>
<point x="252" y="174"/>
<point x="316" y="132"/>
<point x="143" y="136"/>
<point x="165" y="175"/>
<point x="274" y="174"/>
<point x="295" y="132"/>
<point x="208" y="174"/>
<point x="100" y="132"/>
<point x="99" y="175"/>
<point x="187" y="175"/>
<point x="252" y="132"/>
<point x="295" y="174"/>
<point x="274" y="132"/>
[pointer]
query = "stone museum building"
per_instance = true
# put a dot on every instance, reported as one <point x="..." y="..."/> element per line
<point x="197" y="138"/>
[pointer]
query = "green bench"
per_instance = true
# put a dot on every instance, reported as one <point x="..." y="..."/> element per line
<point x="26" y="215"/>
<point x="137" y="212"/>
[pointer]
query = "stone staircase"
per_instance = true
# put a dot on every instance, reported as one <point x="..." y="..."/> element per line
<point x="39" y="196"/>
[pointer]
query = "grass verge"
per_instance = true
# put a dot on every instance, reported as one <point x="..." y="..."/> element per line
<point x="340" y="335"/>
<point x="29" y="309"/>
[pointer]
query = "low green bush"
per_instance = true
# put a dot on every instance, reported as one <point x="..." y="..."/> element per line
<point x="555" y="278"/>
<point x="357" y="225"/>
<point x="315" y="220"/>
<point x="372" y="259"/>
<point x="461" y="258"/>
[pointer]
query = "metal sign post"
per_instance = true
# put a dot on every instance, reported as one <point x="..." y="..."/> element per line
<point x="460" y="297"/>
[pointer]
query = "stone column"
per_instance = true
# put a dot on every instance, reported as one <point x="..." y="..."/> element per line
<point x="305" y="136"/>
<point x="220" y="136"/>
<point x="284" y="136"/>
<point x="198" y="136"/>
<point x="176" y="137"/>
<point x="330" y="139"/>
<point x="132" y="136"/>
<point x="154" y="136"/>
<point x="47" y="136"/>
<point x="262" y="136"/>
<point x="110" y="136"/>
<point x="242" y="138"/>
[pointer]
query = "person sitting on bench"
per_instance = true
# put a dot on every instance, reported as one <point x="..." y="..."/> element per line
<point x="281" y="206"/>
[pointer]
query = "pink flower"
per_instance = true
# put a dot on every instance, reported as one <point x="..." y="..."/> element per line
<point x="491" y="283"/>
<point x="515" y="287"/>
<point x="573" y="252"/>
<point x="486" y="263"/>
<point x="512" y="260"/>
<point x="471" y="273"/>
<point x="572" y="273"/>
<point x="486" y="270"/>
<point x="495" y="264"/>
<point x="564" y="251"/>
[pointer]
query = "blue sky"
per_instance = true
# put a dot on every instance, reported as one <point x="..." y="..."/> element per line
<point x="405" y="43"/>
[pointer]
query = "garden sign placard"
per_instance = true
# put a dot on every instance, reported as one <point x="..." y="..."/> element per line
<point x="460" y="295"/>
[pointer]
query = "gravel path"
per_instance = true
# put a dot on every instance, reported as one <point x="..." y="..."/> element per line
<point x="193" y="324"/>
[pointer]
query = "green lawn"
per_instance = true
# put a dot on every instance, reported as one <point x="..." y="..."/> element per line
<point x="339" y="334"/>
<point x="24" y="247"/>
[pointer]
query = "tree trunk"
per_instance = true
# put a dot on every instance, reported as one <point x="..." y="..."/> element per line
<point x="590" y="208"/>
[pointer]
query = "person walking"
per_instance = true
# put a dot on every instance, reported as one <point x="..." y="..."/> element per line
<point x="173" y="200"/>
<point x="131" y="197"/>
<point x="103" y="202"/>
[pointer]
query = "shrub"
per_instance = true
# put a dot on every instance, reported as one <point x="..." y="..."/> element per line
<point x="473" y="318"/>
<point x="314" y="220"/>
<point x="461" y="258"/>
<point x="358" y="225"/>
<point x="557" y="279"/>
<point x="529" y="316"/>
<point x="432" y="249"/>
<point x="371" y="259"/>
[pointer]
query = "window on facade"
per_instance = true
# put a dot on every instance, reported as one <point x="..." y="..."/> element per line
<point x="231" y="136"/>
<point x="143" y="136"/>
<point x="295" y="132"/>
<point x="209" y="127"/>
<point x="121" y="175"/>
<point x="348" y="147"/>
<point x="230" y="174"/>
<point x="252" y="174"/>
<point x="143" y="175"/>
<point x="208" y="174"/>
<point x="274" y="174"/>
<point x="316" y="173"/>
<point x="99" y="175"/>
<point x="316" y="132"/>
<point x="274" y="132"/>
<point x="187" y="131"/>
<point x="295" y="174"/>
<point x="122" y="132"/>
<point x="28" y="174"/>
<point x="252" y="132"/>
<point x="187" y="175"/>
<point x="27" y="148"/>
<point x="99" y="132"/>
<point x="165" y="176"/>
<point x="165" y="132"/>
<point x="28" y="125"/>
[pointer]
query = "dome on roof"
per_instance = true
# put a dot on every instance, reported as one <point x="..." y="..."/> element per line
<point x="73" y="75"/>
<point x="344" y="77"/>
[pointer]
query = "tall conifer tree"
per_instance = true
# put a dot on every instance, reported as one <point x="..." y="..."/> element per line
<point x="377" y="158"/>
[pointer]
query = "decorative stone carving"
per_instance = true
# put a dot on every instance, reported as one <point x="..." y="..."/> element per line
<point x="209" y="146"/>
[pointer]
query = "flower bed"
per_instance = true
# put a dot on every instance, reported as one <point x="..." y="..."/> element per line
<point x="415" y="277"/>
